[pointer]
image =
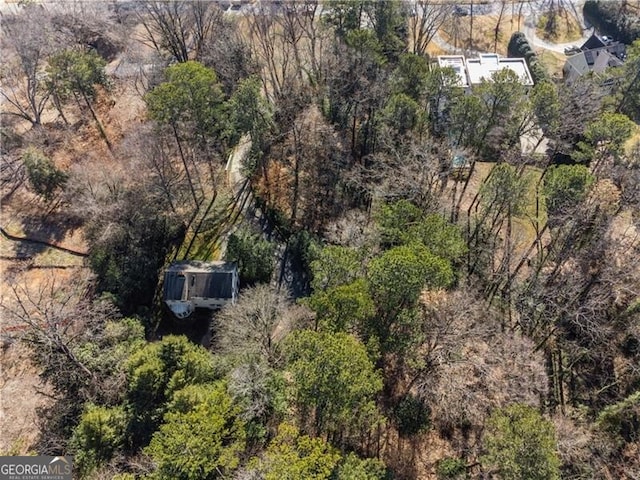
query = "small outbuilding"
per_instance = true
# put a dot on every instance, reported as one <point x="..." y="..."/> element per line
<point x="194" y="284"/>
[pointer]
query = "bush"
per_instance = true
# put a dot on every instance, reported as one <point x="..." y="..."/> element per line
<point x="99" y="435"/>
<point x="521" y="444"/>
<point x="519" y="47"/>
<point x="412" y="416"/>
<point x="44" y="177"/>
<point x="451" y="468"/>
<point x="622" y="419"/>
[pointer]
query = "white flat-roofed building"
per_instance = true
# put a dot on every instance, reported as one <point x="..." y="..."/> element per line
<point x="457" y="63"/>
<point x="471" y="71"/>
<point x="488" y="63"/>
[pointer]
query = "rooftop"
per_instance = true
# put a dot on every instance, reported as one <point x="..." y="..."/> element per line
<point x="195" y="279"/>
<point x="488" y="63"/>
<point x="471" y="71"/>
<point x="457" y="63"/>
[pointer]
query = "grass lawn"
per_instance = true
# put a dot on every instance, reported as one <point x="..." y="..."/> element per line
<point x="552" y="61"/>
<point x="524" y="230"/>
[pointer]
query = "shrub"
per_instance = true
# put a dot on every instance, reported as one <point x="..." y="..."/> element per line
<point x="519" y="47"/>
<point x="412" y="416"/>
<point x="451" y="468"/>
<point x="44" y="177"/>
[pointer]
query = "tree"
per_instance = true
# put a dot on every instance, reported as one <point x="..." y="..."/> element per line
<point x="334" y="384"/>
<point x="291" y="455"/>
<point x="402" y="114"/>
<point x="398" y="276"/>
<point x="629" y="92"/>
<point x="199" y="441"/>
<point x="32" y="37"/>
<point x="411" y="76"/>
<point x="353" y="468"/>
<point x="45" y="178"/>
<point x="389" y="21"/>
<point x="345" y="308"/>
<point x="402" y="223"/>
<point x="100" y="434"/>
<point x="344" y="15"/>
<point x="74" y="72"/>
<point x="604" y="138"/>
<point x="521" y="445"/>
<point x="250" y="113"/>
<point x="424" y="23"/>
<point x="254" y="255"/>
<point x="130" y="238"/>
<point x="546" y="106"/>
<point x="190" y="103"/>
<point x="335" y="266"/>
<point x="189" y="100"/>
<point x="181" y="29"/>
<point x="155" y="373"/>
<point x="254" y="327"/>
<point x="79" y="344"/>
<point x="565" y="186"/>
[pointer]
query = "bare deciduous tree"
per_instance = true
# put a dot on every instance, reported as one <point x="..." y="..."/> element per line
<point x="255" y="325"/>
<point x="429" y="16"/>
<point x="28" y="40"/>
<point x="179" y="28"/>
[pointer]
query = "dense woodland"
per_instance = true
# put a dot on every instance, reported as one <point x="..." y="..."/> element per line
<point x="398" y="318"/>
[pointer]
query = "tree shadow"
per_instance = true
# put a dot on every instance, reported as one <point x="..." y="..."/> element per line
<point x="40" y="227"/>
<point x="197" y="328"/>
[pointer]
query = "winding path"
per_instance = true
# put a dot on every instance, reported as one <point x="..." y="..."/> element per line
<point x="531" y="13"/>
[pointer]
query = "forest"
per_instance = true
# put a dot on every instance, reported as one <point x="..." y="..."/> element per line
<point x="435" y="282"/>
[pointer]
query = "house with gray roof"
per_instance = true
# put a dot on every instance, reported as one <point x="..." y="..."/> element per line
<point x="596" y="55"/>
<point x="194" y="284"/>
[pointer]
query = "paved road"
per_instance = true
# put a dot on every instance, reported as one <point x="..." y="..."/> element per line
<point x="531" y="11"/>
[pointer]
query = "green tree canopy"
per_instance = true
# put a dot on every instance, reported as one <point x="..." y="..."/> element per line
<point x="546" y="106"/>
<point x="564" y="187"/>
<point x="190" y="99"/>
<point x="254" y="255"/>
<point x="249" y="112"/>
<point x="335" y="266"/>
<point x="155" y="373"/>
<point x="100" y="433"/>
<point x="399" y="275"/>
<point x="402" y="223"/>
<point x="353" y="468"/>
<point x="605" y="136"/>
<point x="75" y="71"/>
<point x="505" y="189"/>
<point x="333" y="383"/>
<point x="44" y="177"/>
<point x="402" y="114"/>
<point x="292" y="456"/>
<point x="521" y="445"/>
<point x="201" y="439"/>
<point x="411" y="76"/>
<point x="342" y="308"/>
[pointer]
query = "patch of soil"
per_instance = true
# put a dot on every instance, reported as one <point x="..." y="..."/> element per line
<point x="19" y="400"/>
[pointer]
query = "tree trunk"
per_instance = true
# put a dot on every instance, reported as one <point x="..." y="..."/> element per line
<point x="103" y="134"/>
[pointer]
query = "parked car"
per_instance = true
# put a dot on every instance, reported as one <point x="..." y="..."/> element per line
<point x="459" y="11"/>
<point x="571" y="50"/>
